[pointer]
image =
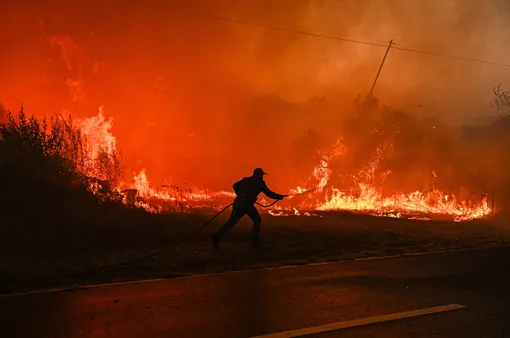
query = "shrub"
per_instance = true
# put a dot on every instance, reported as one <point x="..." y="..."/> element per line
<point x="41" y="155"/>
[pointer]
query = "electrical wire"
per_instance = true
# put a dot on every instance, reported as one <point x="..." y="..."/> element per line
<point x="350" y="40"/>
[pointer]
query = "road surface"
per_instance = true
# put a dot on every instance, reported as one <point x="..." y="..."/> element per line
<point x="262" y="302"/>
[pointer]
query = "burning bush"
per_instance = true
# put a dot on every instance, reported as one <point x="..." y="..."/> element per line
<point x="49" y="158"/>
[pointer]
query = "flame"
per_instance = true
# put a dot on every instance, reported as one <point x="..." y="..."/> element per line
<point x="97" y="131"/>
<point x="142" y="184"/>
<point x="369" y="199"/>
<point x="322" y="172"/>
<point x="100" y="145"/>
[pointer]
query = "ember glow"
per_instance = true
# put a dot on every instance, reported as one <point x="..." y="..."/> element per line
<point x="322" y="196"/>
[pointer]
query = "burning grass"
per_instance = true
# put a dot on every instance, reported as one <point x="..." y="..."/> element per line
<point x="328" y="188"/>
<point x="86" y="153"/>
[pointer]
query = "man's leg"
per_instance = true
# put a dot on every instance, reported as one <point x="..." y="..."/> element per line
<point x="254" y="215"/>
<point x="235" y="216"/>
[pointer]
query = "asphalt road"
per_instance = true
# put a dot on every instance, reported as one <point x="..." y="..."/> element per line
<point x="259" y="302"/>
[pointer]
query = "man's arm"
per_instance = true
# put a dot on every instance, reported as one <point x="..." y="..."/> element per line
<point x="271" y="194"/>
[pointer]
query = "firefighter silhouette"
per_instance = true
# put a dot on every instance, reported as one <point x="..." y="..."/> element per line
<point x="247" y="191"/>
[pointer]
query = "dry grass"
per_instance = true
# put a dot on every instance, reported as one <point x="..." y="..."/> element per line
<point x="34" y="259"/>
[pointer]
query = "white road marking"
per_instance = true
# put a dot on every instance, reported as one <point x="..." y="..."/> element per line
<point x="363" y="321"/>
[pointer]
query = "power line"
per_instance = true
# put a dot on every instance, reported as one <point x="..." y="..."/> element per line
<point x="288" y="30"/>
<point x="330" y="37"/>
<point x="452" y="56"/>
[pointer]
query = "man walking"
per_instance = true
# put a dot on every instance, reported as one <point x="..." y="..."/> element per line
<point x="247" y="191"/>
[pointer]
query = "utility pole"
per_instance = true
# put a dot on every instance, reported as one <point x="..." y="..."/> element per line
<point x="380" y="68"/>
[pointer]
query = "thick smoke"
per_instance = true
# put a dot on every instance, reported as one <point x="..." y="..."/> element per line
<point x="202" y="101"/>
